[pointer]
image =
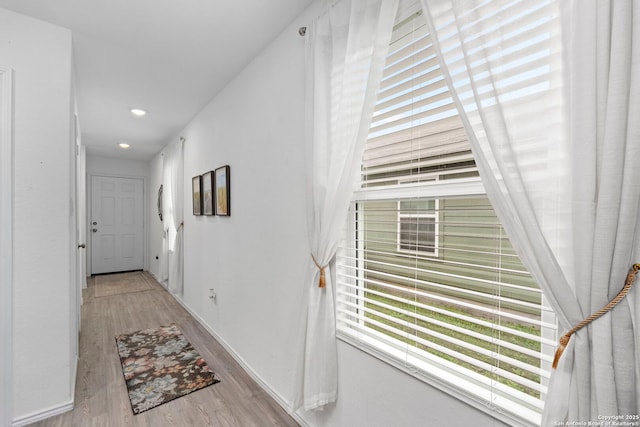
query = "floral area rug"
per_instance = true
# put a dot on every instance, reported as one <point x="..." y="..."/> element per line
<point x="160" y="365"/>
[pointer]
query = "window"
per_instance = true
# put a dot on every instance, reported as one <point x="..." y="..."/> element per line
<point x="417" y="222"/>
<point x="427" y="279"/>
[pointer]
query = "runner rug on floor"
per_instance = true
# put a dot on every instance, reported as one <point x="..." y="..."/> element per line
<point x="160" y="365"/>
<point x="121" y="283"/>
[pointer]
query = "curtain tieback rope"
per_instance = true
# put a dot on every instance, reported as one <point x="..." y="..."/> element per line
<point x="564" y="340"/>
<point x="323" y="281"/>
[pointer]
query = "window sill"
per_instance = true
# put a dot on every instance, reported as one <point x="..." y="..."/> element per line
<point x="438" y="377"/>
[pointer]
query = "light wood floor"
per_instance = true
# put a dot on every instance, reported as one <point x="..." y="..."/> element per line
<point x="101" y="397"/>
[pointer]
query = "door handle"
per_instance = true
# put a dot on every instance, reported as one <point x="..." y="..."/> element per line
<point x="82" y="246"/>
<point x="94" y="230"/>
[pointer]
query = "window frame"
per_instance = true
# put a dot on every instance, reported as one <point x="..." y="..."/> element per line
<point x="438" y="373"/>
<point x="436" y="233"/>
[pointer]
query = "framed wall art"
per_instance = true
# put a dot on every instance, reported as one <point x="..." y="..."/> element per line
<point x="207" y="193"/>
<point x="222" y="183"/>
<point x="196" y="194"/>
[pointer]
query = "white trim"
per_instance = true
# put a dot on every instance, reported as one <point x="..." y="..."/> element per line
<point x="280" y="400"/>
<point x="74" y="376"/>
<point x="53" y="411"/>
<point x="163" y="284"/>
<point x="436" y="376"/>
<point x="43" y="415"/>
<point x="436" y="189"/>
<point x="6" y="243"/>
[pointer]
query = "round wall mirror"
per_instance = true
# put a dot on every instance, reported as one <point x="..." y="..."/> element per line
<point x="160" y="202"/>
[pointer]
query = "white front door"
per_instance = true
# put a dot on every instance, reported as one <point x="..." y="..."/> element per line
<point x="116" y="225"/>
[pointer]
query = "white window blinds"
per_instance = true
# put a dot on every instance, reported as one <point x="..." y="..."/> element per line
<point x="427" y="278"/>
<point x="416" y="134"/>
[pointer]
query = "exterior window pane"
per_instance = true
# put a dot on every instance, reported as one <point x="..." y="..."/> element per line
<point x="418" y="234"/>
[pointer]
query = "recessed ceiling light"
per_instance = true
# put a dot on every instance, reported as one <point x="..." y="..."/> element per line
<point x="138" y="112"/>
<point x="123" y="145"/>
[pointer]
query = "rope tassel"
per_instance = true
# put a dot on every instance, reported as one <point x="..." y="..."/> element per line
<point x="564" y="340"/>
<point x="322" y="282"/>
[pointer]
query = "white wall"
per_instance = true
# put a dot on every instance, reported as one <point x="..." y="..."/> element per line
<point x="43" y="283"/>
<point x="256" y="259"/>
<point x="75" y="288"/>
<point x="6" y="242"/>
<point x="97" y="165"/>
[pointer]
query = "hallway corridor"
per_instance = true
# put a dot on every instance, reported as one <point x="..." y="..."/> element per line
<point x="101" y="397"/>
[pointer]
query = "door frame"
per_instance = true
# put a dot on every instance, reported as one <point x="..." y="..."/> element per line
<point x="77" y="244"/>
<point x="145" y="214"/>
<point x="6" y="244"/>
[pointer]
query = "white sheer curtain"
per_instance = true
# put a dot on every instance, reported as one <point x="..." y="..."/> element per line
<point x="346" y="49"/>
<point x="550" y="92"/>
<point x="176" y="172"/>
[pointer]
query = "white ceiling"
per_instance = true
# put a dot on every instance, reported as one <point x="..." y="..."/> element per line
<point x="169" y="57"/>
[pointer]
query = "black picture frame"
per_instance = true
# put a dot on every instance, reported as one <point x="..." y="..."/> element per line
<point x="196" y="194"/>
<point x="222" y="182"/>
<point x="208" y="197"/>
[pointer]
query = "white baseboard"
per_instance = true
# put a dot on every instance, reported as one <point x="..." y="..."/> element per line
<point x="74" y="377"/>
<point x="39" y="416"/>
<point x="162" y="283"/>
<point x="286" y="405"/>
<point x="56" y="410"/>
